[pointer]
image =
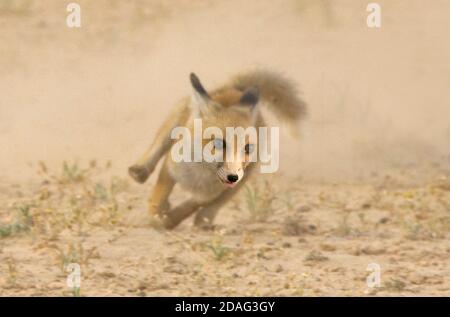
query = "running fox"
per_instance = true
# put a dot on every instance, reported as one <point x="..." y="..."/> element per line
<point x="212" y="184"/>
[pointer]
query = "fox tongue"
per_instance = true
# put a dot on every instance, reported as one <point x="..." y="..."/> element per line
<point x="229" y="184"/>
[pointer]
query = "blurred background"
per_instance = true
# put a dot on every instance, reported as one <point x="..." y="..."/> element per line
<point x="378" y="99"/>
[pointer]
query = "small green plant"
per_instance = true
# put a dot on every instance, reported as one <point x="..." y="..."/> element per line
<point x="116" y="186"/>
<point x="72" y="292"/>
<point x="6" y="230"/>
<point x="101" y="192"/>
<point x="395" y="285"/>
<point x="289" y="201"/>
<point x="259" y="199"/>
<point x="72" y="173"/>
<point x="343" y="229"/>
<point x="108" y="195"/>
<point x="76" y="292"/>
<point x="218" y="249"/>
<point x="12" y="270"/>
<point x="23" y="223"/>
<point x="73" y="254"/>
<point x="433" y="229"/>
<point x="414" y="231"/>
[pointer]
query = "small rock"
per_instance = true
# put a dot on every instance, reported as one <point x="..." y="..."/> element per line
<point x="371" y="291"/>
<point x="315" y="256"/>
<point x="366" y="205"/>
<point x="304" y="208"/>
<point x="312" y="227"/>
<point x="54" y="285"/>
<point x="327" y="247"/>
<point x="107" y="274"/>
<point x="176" y="269"/>
<point x="418" y="279"/>
<point x="292" y="226"/>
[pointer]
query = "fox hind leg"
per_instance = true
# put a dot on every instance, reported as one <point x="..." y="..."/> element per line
<point x="205" y="216"/>
<point x="174" y="217"/>
<point x="159" y="207"/>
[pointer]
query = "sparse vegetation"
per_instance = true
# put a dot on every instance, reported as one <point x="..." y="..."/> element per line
<point x="23" y="223"/>
<point x="218" y="249"/>
<point x="12" y="270"/>
<point x="66" y="209"/>
<point x="344" y="229"/>
<point x="315" y="256"/>
<point x="259" y="200"/>
<point x="76" y="292"/>
<point x="394" y="285"/>
<point x="73" y="253"/>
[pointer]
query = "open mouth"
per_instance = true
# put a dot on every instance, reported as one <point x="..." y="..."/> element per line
<point x="228" y="183"/>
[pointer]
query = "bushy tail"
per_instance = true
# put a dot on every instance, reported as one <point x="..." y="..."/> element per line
<point x="277" y="91"/>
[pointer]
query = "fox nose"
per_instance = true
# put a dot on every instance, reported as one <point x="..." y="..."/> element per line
<point x="232" y="178"/>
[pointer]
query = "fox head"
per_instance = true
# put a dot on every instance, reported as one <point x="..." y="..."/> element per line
<point x="228" y="118"/>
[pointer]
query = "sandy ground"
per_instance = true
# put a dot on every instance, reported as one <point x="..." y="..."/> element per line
<point x="368" y="182"/>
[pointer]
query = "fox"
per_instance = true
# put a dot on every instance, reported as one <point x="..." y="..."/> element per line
<point x="211" y="185"/>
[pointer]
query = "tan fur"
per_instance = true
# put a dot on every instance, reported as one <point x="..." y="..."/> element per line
<point x="280" y="94"/>
<point x="221" y="108"/>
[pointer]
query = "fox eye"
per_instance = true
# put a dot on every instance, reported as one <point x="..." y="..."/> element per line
<point x="249" y="148"/>
<point x="219" y="144"/>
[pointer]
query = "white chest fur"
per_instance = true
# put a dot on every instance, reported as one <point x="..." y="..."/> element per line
<point x="198" y="178"/>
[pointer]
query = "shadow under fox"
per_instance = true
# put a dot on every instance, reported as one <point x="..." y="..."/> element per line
<point x="212" y="184"/>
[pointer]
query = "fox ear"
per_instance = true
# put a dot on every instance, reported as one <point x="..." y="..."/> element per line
<point x="201" y="99"/>
<point x="249" y="100"/>
<point x="198" y="87"/>
<point x="250" y="97"/>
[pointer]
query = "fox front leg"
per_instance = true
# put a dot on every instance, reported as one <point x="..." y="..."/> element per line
<point x="162" y="143"/>
<point x="145" y="166"/>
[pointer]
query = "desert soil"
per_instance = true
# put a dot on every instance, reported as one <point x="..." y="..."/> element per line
<point x="366" y="185"/>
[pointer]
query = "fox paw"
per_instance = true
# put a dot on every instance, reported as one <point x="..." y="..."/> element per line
<point x="205" y="227"/>
<point x="204" y="224"/>
<point x="161" y="222"/>
<point x="139" y="173"/>
<point x="157" y="223"/>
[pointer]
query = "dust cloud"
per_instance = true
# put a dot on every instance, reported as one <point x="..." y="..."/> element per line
<point x="378" y="98"/>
